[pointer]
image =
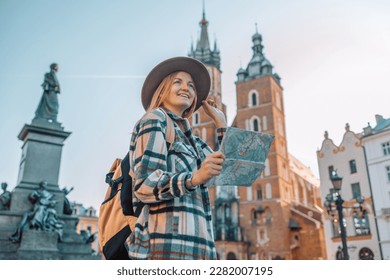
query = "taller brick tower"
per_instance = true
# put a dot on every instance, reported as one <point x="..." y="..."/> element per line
<point x="202" y="125"/>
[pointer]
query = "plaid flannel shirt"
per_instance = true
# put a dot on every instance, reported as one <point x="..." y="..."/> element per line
<point x="176" y="221"/>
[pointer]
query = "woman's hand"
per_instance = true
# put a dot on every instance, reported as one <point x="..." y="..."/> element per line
<point x="211" y="166"/>
<point x="210" y="108"/>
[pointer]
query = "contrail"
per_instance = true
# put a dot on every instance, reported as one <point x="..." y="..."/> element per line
<point x="81" y="76"/>
<point x="103" y="76"/>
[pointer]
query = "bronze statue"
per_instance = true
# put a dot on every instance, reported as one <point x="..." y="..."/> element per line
<point x="5" y="197"/>
<point x="68" y="209"/>
<point x="43" y="216"/>
<point x="48" y="105"/>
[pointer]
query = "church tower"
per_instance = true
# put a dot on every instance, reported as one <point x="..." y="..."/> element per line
<point x="260" y="108"/>
<point x="202" y="125"/>
<point x="278" y="216"/>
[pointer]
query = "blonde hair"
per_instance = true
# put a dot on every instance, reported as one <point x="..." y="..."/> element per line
<point x="162" y="92"/>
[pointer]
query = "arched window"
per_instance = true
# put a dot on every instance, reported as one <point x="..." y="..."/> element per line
<point x="231" y="256"/>
<point x="259" y="193"/>
<point x="366" y="254"/>
<point x="253" y="99"/>
<point x="255" y="123"/>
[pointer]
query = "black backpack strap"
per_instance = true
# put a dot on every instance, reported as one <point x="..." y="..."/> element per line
<point x="127" y="188"/>
<point x="113" y="183"/>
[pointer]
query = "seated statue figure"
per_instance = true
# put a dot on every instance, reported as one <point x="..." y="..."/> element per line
<point x="5" y="197"/>
<point x="43" y="216"/>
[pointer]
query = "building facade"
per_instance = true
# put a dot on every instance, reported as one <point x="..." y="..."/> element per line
<point x="87" y="225"/>
<point x="278" y="216"/>
<point x="376" y="142"/>
<point x="359" y="220"/>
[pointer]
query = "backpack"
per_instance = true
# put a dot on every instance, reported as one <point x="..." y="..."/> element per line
<point x="117" y="217"/>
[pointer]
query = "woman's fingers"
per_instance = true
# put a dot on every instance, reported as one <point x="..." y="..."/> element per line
<point x="218" y="154"/>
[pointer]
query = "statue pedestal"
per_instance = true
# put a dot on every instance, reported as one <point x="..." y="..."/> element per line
<point x="40" y="161"/>
<point x="39" y="245"/>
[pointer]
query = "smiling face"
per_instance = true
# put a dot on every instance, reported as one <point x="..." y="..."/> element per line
<point x="181" y="94"/>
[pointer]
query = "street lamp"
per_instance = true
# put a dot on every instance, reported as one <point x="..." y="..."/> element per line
<point x="334" y="199"/>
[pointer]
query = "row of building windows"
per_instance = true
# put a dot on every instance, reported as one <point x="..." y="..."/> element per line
<point x="352" y="168"/>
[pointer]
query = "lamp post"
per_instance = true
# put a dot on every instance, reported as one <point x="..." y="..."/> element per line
<point x="335" y="197"/>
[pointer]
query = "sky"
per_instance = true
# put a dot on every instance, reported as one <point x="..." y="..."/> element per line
<point x="333" y="57"/>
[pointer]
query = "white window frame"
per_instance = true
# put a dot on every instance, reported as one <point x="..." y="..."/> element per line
<point x="251" y="123"/>
<point x="250" y="103"/>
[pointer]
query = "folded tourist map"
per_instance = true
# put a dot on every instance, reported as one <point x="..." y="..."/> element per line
<point x="245" y="154"/>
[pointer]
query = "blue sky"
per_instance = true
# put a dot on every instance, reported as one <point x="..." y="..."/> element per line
<point x="333" y="58"/>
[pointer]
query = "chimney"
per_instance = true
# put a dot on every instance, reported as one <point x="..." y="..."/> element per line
<point x="367" y="130"/>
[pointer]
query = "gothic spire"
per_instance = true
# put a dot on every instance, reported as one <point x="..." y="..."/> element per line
<point x="202" y="51"/>
<point x="203" y="43"/>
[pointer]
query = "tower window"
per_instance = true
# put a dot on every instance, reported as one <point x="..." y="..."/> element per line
<point x="352" y="166"/>
<point x="195" y="119"/>
<point x="255" y="125"/>
<point x="259" y="194"/>
<point x="253" y="99"/>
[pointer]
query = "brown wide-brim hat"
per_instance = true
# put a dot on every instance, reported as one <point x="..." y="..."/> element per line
<point x="195" y="68"/>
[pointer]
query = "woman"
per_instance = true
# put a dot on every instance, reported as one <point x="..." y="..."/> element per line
<point x="169" y="178"/>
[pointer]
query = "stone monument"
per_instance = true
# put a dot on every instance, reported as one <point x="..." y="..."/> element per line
<point x="35" y="219"/>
